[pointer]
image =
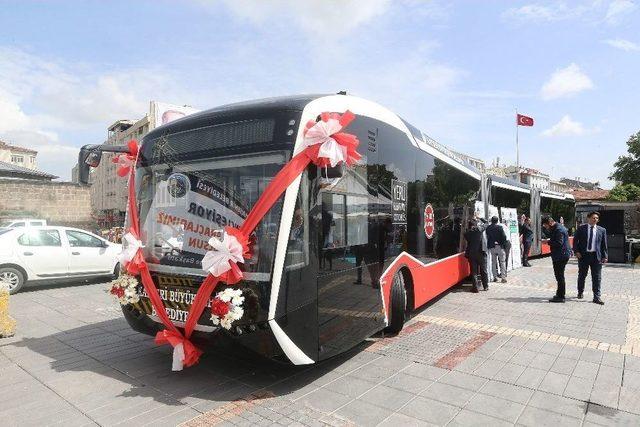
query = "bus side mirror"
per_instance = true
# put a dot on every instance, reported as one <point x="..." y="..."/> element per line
<point x="90" y="156"/>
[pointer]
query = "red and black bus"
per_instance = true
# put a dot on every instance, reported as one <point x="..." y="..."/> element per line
<point x="343" y="254"/>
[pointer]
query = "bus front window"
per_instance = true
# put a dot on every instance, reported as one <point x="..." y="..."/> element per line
<point x="185" y="204"/>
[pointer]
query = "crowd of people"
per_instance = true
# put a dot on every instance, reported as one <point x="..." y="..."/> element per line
<point x="589" y="247"/>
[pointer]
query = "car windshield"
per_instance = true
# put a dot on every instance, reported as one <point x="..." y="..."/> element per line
<point x="183" y="205"/>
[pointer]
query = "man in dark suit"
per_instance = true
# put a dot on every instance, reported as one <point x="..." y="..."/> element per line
<point x="590" y="247"/>
<point x="527" y="239"/>
<point x="476" y="253"/>
<point x="560" y="253"/>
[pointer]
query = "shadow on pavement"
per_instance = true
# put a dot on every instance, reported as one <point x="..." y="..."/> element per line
<point x="107" y="361"/>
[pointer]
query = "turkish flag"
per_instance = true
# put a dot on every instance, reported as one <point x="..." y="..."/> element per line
<point x="524" y="120"/>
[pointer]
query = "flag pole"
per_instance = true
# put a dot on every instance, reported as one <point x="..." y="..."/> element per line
<point x="517" y="144"/>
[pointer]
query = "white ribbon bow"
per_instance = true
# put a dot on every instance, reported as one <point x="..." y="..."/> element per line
<point x="178" y="358"/>
<point x="129" y="248"/>
<point x="217" y="261"/>
<point x="321" y="133"/>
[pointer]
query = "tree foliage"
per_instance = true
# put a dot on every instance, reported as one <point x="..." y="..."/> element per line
<point x="625" y="193"/>
<point x="627" y="168"/>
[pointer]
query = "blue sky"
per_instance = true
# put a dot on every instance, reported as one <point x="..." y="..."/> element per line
<point x="457" y="70"/>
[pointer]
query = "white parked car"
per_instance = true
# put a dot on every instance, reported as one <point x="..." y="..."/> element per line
<point x="36" y="254"/>
<point x="14" y="223"/>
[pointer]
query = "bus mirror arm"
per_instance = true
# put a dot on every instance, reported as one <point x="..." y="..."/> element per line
<point x="90" y="156"/>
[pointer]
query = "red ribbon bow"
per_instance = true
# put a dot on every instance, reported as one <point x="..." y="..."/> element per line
<point x="191" y="352"/>
<point x="126" y="161"/>
<point x="348" y="141"/>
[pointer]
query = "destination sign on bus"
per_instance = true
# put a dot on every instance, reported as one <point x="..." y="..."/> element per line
<point x="399" y="201"/>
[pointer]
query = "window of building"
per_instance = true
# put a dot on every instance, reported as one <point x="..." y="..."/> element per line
<point x="17" y="159"/>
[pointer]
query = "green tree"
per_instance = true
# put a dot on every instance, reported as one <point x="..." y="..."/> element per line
<point x="624" y="193"/>
<point x="627" y="168"/>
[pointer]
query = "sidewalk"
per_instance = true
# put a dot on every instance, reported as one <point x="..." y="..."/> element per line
<point x="501" y="357"/>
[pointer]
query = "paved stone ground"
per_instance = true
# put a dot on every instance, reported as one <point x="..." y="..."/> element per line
<point x="501" y="357"/>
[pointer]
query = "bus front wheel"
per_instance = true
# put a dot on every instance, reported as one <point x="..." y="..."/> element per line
<point x="398" y="308"/>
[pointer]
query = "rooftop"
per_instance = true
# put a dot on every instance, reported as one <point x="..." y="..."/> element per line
<point x="8" y="170"/>
<point x="6" y="146"/>
<point x="590" y="194"/>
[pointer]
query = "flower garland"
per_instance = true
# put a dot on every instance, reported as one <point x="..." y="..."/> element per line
<point x="324" y="144"/>
<point x="125" y="289"/>
<point x="226" y="307"/>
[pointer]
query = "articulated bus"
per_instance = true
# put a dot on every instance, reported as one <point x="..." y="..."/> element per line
<point x="345" y="252"/>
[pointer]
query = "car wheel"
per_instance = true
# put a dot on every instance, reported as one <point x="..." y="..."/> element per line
<point x="13" y="277"/>
<point x="398" y="307"/>
<point x="116" y="272"/>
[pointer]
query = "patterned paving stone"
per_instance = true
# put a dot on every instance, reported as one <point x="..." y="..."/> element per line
<point x="500" y="357"/>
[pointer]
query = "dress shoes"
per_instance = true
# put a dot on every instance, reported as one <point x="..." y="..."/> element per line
<point x="580" y="295"/>
<point x="598" y="301"/>
<point x="556" y="299"/>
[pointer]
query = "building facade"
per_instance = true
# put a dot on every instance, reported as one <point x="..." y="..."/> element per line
<point x="18" y="156"/>
<point x="529" y="176"/>
<point x="578" y="184"/>
<point x="108" y="190"/>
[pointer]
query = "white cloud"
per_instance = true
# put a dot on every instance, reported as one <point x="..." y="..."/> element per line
<point x="550" y="12"/>
<point x="40" y="98"/>
<point x="566" y="82"/>
<point x="567" y="127"/>
<point x="317" y="17"/>
<point x="618" y="9"/>
<point x="535" y="12"/>
<point x="622" y="44"/>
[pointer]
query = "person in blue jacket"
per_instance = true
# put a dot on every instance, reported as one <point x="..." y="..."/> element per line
<point x="560" y="253"/>
<point x="590" y="247"/>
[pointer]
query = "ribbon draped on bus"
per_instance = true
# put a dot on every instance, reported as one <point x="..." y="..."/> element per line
<point x="324" y="145"/>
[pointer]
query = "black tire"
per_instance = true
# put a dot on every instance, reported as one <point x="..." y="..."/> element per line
<point x="398" y="307"/>
<point x="116" y="272"/>
<point x="14" y="277"/>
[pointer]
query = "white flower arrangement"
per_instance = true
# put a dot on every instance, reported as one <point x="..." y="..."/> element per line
<point x="226" y="307"/>
<point x="125" y="289"/>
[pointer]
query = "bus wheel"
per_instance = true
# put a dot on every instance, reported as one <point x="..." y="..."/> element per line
<point x="398" y="307"/>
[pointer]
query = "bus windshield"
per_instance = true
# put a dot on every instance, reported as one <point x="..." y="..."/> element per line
<point x="184" y="204"/>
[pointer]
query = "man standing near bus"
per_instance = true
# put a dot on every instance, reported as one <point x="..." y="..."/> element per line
<point x="560" y="253"/>
<point x="476" y="253"/>
<point x="497" y="244"/>
<point x="527" y="239"/>
<point x="590" y="247"/>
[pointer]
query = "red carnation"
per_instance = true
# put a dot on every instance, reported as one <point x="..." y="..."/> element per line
<point x="117" y="291"/>
<point x="219" y="308"/>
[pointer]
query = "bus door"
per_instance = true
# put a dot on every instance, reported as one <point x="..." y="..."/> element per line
<point x="349" y="298"/>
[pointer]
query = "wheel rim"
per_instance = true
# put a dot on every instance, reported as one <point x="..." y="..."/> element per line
<point x="11" y="278"/>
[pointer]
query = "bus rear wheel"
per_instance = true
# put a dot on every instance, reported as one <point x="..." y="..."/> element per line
<point x="398" y="308"/>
